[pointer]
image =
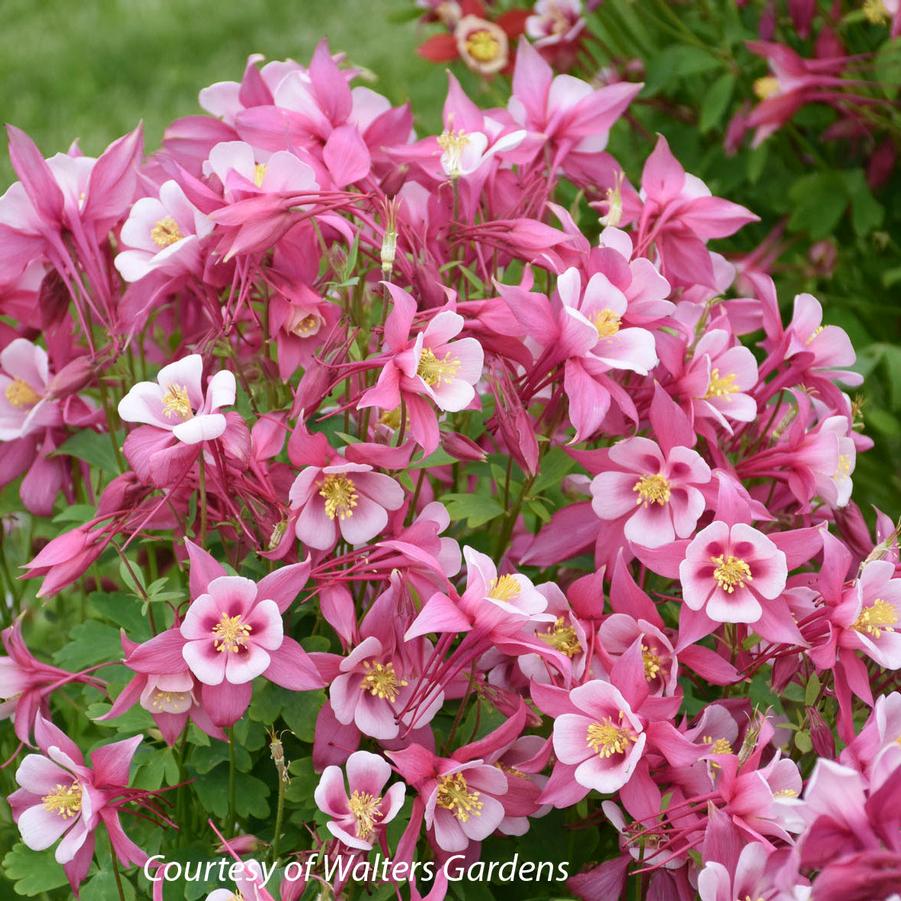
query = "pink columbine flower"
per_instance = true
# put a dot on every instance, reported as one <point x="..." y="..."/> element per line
<point x="62" y="798"/>
<point x="727" y="571"/>
<point x="360" y="809"/>
<point x="482" y="45"/>
<point x="349" y="499"/>
<point x="656" y="494"/>
<point x="555" y="22"/>
<point x="230" y="632"/>
<point x="177" y="403"/>
<point x="248" y="878"/>
<point x="875" y="614"/>
<point x="431" y="365"/>
<point x="24" y="403"/>
<point x="241" y="172"/>
<point x="603" y="741"/>
<point x="162" y="235"/>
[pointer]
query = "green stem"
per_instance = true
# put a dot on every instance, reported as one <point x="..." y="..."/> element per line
<point x="232" y="771"/>
<point x="279" y="816"/>
<point x="118" y="876"/>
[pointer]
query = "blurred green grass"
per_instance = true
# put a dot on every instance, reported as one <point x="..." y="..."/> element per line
<point x="89" y="69"/>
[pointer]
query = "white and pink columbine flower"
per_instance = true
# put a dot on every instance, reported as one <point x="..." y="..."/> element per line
<point x="162" y="234"/>
<point x="656" y="495"/>
<point x="349" y="499"/>
<point x="177" y="403"/>
<point x="719" y="378"/>
<point x="729" y="570"/>
<point x="360" y="809"/>
<point x="555" y="22"/>
<point x="604" y="741"/>
<point x="24" y="405"/>
<point x="237" y="167"/>
<point x="230" y="632"/>
<point x="875" y="613"/>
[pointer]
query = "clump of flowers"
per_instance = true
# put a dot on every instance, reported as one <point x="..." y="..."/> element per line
<point x="408" y="495"/>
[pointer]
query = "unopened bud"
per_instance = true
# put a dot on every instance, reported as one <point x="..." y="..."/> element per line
<point x="462" y="448"/>
<point x="74" y="376"/>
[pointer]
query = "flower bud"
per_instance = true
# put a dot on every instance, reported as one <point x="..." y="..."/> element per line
<point x="74" y="376"/>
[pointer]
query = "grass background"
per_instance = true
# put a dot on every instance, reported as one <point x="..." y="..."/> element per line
<point x="89" y="69"/>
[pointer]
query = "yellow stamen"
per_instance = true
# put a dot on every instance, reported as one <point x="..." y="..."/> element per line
<point x="453" y="143"/>
<point x="503" y="588"/>
<point x="766" y="87"/>
<point x="454" y="795"/>
<point x="652" y="489"/>
<point x="20" y="394"/>
<point x="606" y="738"/>
<point x="875" y="12"/>
<point x="176" y="403"/>
<point x="562" y="638"/>
<point x="381" y="681"/>
<point x="785" y="793"/>
<point x="652" y="663"/>
<point x="818" y="330"/>
<point x="879" y="617"/>
<point x="164" y="700"/>
<point x="483" y="46"/>
<point x="435" y="370"/>
<point x="259" y="173"/>
<point x="166" y="232"/>
<point x="64" y="800"/>
<point x="844" y="466"/>
<point x="391" y="418"/>
<point x="366" y="812"/>
<point x="340" y="495"/>
<point x="606" y="322"/>
<point x="720" y="746"/>
<point x="731" y="572"/>
<point x="720" y="385"/>
<point x="230" y="634"/>
<point x="308" y="325"/>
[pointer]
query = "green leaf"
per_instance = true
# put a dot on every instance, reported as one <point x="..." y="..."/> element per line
<point x="866" y="212"/>
<point x="79" y="513"/>
<point x="812" y="691"/>
<point x="123" y="610"/>
<point x="103" y="887"/>
<point x="300" y="710"/>
<point x="819" y="199"/>
<point x="89" y="642"/>
<point x="476" y="509"/>
<point x="888" y="67"/>
<point x="251" y="794"/>
<point x="33" y="872"/>
<point x="555" y="464"/>
<point x="92" y="447"/>
<point x="716" y="101"/>
<point x="803" y="741"/>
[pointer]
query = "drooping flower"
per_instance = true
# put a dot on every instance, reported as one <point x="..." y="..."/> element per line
<point x="361" y="809"/>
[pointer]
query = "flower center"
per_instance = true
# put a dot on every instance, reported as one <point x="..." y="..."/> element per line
<point x="879" y="617"/>
<point x="766" y="87"/>
<point x="720" y="746"/>
<point x="652" y="663"/>
<point x="366" y="812"/>
<point x="483" y="46"/>
<point x="435" y="370"/>
<point x="606" y="738"/>
<point x="454" y="795"/>
<point x="652" y="489"/>
<point x="503" y="588"/>
<point x="259" y="173"/>
<point x="720" y="385"/>
<point x="20" y="394"/>
<point x="785" y="793"/>
<point x="381" y="681"/>
<point x="731" y="572"/>
<point x="562" y="638"/>
<point x="64" y="800"/>
<point x="453" y="143"/>
<point x="813" y="335"/>
<point x="166" y="232"/>
<point x="307" y="325"/>
<point x="606" y="322"/>
<point x="340" y="495"/>
<point x="231" y="634"/>
<point x="843" y="470"/>
<point x="176" y="403"/>
<point x="875" y="12"/>
<point x="169" y="701"/>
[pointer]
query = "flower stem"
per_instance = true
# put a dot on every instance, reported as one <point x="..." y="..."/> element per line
<point x="231" y="778"/>
<point x="118" y="876"/>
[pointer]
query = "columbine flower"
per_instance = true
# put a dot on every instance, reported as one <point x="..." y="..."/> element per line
<point x="24" y="405"/>
<point x="656" y="495"/>
<point x="235" y="165"/>
<point x="482" y="45"/>
<point x="463" y="805"/>
<point x="876" y="626"/>
<point x="346" y="498"/>
<point x="230" y="632"/>
<point x="360" y="815"/>
<point x="176" y="402"/>
<point x="728" y="571"/>
<point x="604" y="741"/>
<point x="555" y="22"/>
<point x="62" y="798"/>
<point x="162" y="235"/>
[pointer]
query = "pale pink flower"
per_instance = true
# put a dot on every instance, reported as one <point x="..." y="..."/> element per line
<point x="555" y="22"/>
<point x="728" y="571"/>
<point x="241" y="171"/>
<point x="177" y="403"/>
<point x="230" y="632"/>
<point x="361" y="808"/>
<point x="162" y="234"/>
<point x="349" y="499"/>
<point x="24" y="403"/>
<point x="604" y="741"/>
<point x="656" y="494"/>
<point x="876" y="613"/>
